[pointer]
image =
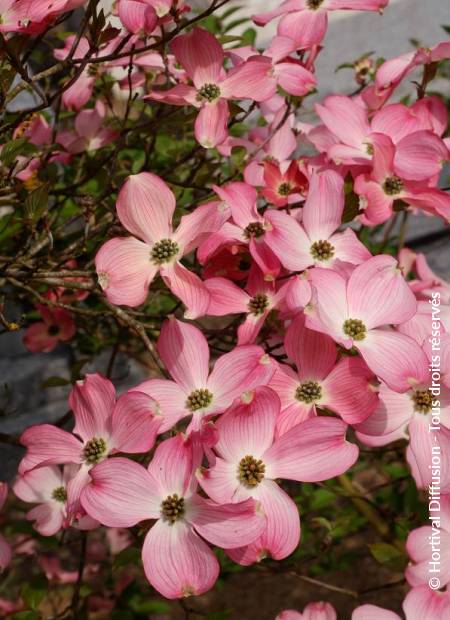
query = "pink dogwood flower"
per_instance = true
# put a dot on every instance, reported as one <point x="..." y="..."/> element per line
<point x="420" y="550"/>
<point x="195" y="391"/>
<point x="5" y="547"/>
<point x="287" y="72"/>
<point x="248" y="459"/>
<point x="358" y="312"/>
<point x="312" y="611"/>
<point x="127" y="265"/>
<point x="306" y="21"/>
<point x="412" y="415"/>
<point x="315" y="241"/>
<point x="393" y="71"/>
<point x="46" y="486"/>
<point x="57" y="326"/>
<point x="202" y="56"/>
<point x="321" y="381"/>
<point x="138" y="16"/>
<point x="248" y="227"/>
<point x="421" y="603"/>
<point x="282" y="187"/>
<point x="393" y="179"/>
<point x="348" y="135"/>
<point x="177" y="560"/>
<point x="257" y="300"/>
<point x="89" y="132"/>
<point x="32" y="16"/>
<point x="103" y="426"/>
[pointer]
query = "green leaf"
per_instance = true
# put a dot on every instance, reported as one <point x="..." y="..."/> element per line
<point x="389" y="556"/>
<point x="130" y="555"/>
<point x="54" y="382"/>
<point x="36" y="204"/>
<point x="351" y="208"/>
<point x="12" y="149"/>
<point x="34" y="591"/>
<point x="141" y="605"/>
<point x="25" y="615"/>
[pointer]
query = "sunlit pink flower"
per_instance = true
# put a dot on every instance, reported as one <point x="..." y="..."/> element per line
<point x="358" y="312"/>
<point x="420" y="550"/>
<point x="283" y="187"/>
<point x="138" y="16"/>
<point x="288" y="72"/>
<point x="248" y="227"/>
<point x="5" y="547"/>
<point x="305" y="21"/>
<point x="46" y="486"/>
<point x="103" y="426"/>
<point x="177" y="562"/>
<point x="315" y="241"/>
<point x="412" y="415"/>
<point x="127" y="265"/>
<point x="320" y="381"/>
<point x="312" y="611"/>
<point x="202" y="56"/>
<point x="257" y="300"/>
<point x="393" y="71"/>
<point x="195" y="390"/>
<point x="348" y="134"/>
<point x="248" y="459"/>
<point x="57" y="326"/>
<point x="421" y="603"/>
<point x="31" y="17"/>
<point x="403" y="173"/>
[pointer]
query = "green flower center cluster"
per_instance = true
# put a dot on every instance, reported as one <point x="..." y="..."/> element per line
<point x="199" y="399"/>
<point x="251" y="471"/>
<point x="322" y="250"/>
<point x="422" y="400"/>
<point x="60" y="494"/>
<point x="163" y="251"/>
<point x="392" y="186"/>
<point x="258" y="304"/>
<point x="354" y="328"/>
<point x="254" y="229"/>
<point x="172" y="508"/>
<point x="308" y="392"/>
<point x="208" y="92"/>
<point x="94" y="450"/>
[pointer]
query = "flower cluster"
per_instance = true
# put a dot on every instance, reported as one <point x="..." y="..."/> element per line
<point x="294" y="336"/>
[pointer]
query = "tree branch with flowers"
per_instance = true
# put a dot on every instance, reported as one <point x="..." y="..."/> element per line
<point x="183" y="197"/>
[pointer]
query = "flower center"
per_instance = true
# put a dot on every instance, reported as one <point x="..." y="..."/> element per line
<point x="284" y="189"/>
<point x="199" y="399"/>
<point x="369" y="149"/>
<point x="392" y="186"/>
<point x="208" y="92"/>
<point x="322" y="250"/>
<point x="251" y="471"/>
<point x="172" y="508"/>
<point x="308" y="392"/>
<point x="94" y="450"/>
<point x="59" y="494"/>
<point x="53" y="330"/>
<point x="254" y="229"/>
<point x="422" y="400"/>
<point x="354" y="328"/>
<point x="258" y="304"/>
<point x="313" y="5"/>
<point x="163" y="251"/>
